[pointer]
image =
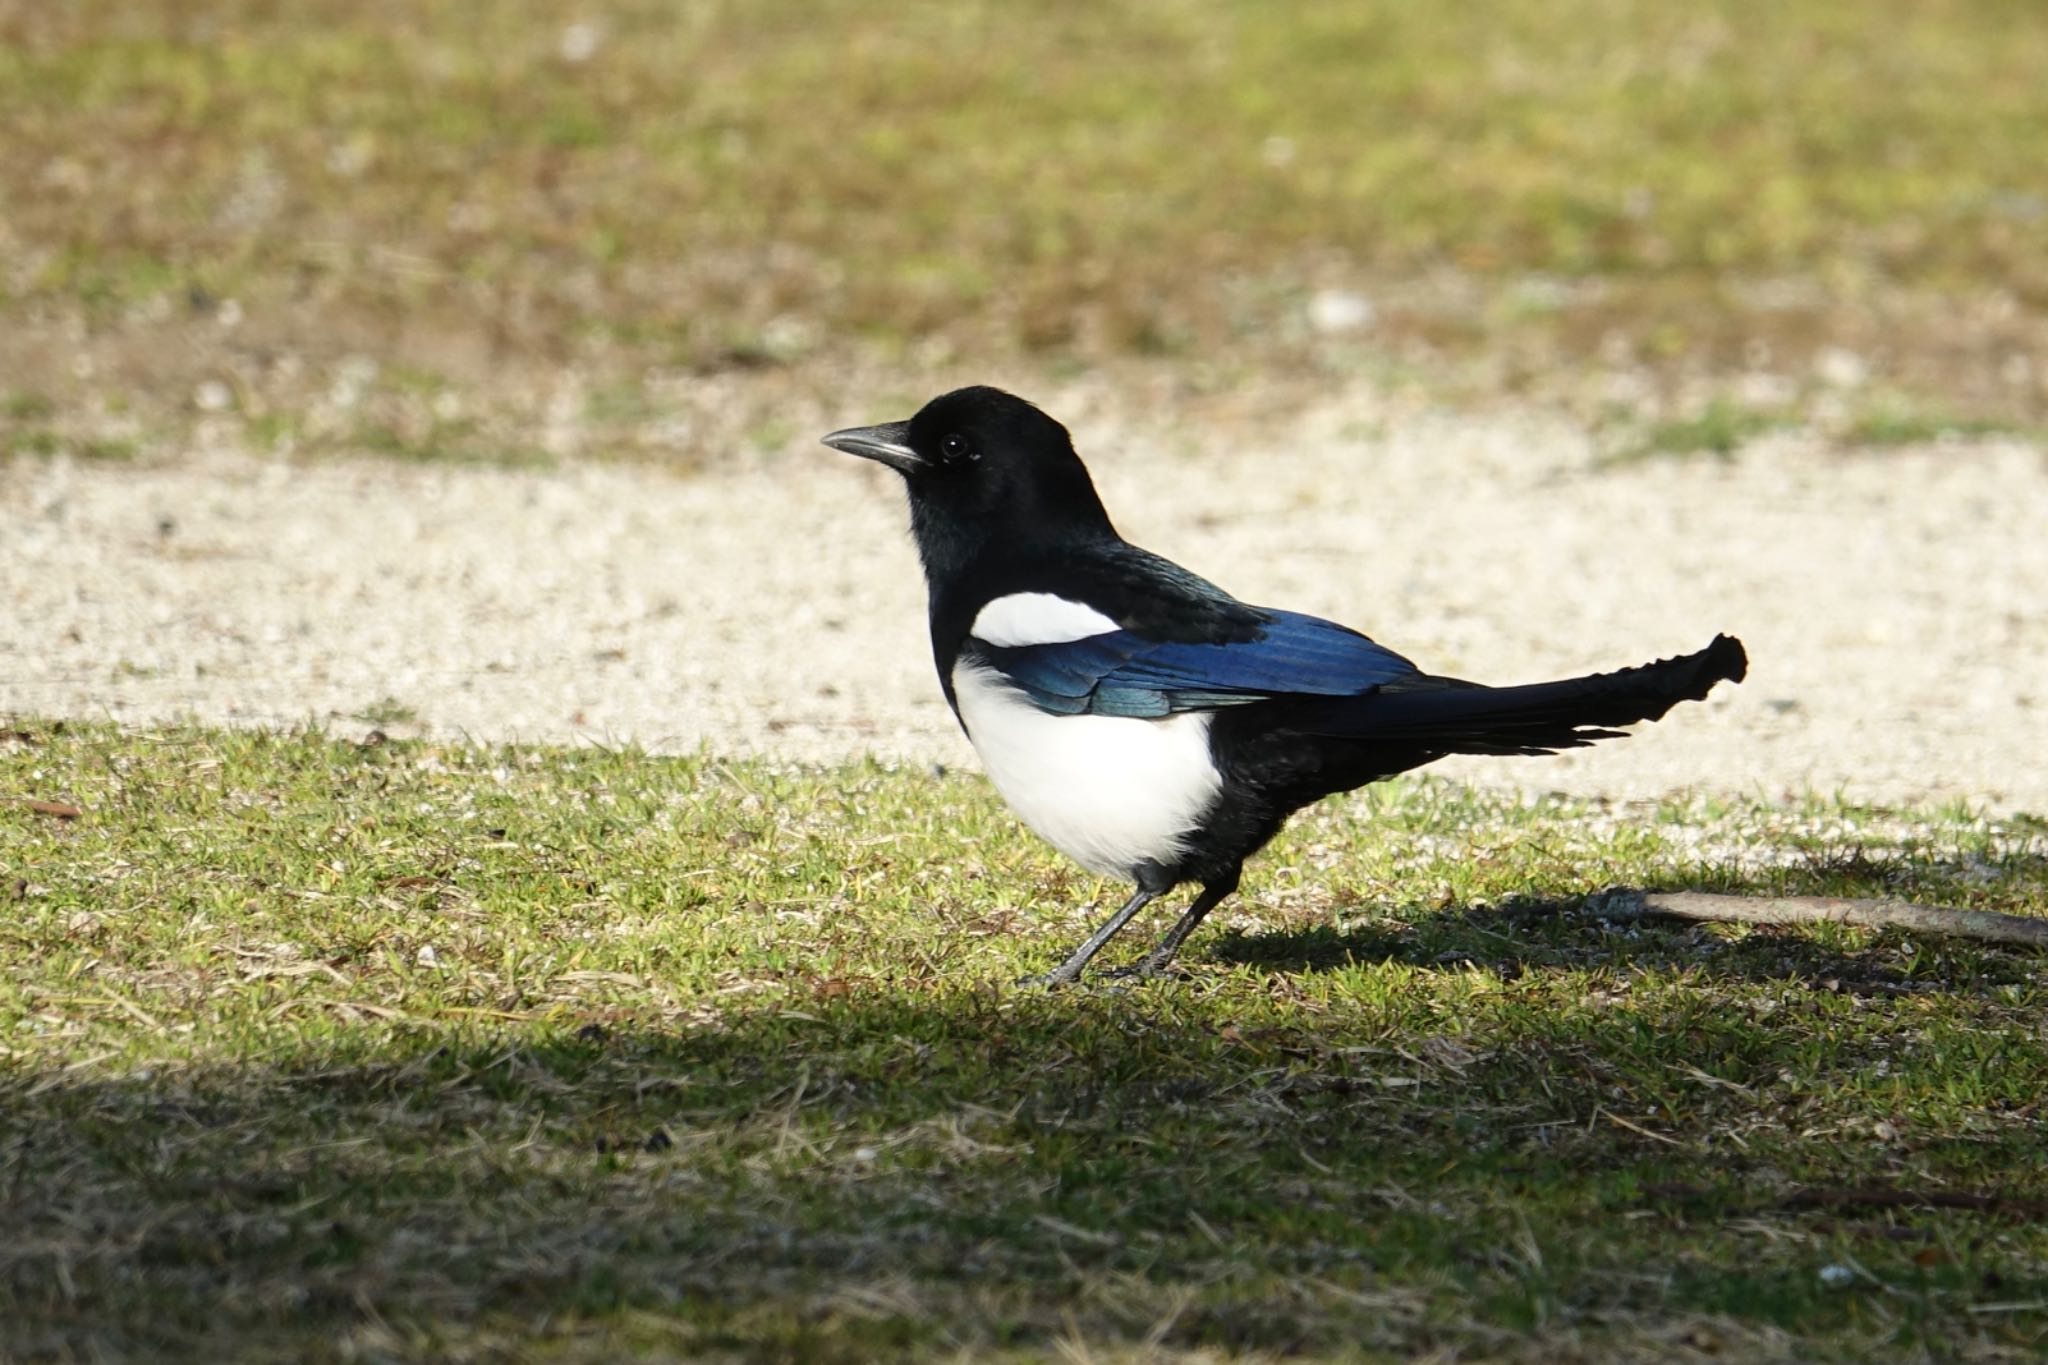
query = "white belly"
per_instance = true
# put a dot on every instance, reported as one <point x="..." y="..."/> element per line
<point x="1110" y="792"/>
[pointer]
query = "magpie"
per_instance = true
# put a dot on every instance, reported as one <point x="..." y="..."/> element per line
<point x="1142" y="720"/>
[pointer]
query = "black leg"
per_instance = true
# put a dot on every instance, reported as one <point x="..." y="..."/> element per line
<point x="1156" y="962"/>
<point x="1070" y="971"/>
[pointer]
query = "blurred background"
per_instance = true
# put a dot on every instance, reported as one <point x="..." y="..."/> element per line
<point x="457" y="368"/>
<point x="517" y="231"/>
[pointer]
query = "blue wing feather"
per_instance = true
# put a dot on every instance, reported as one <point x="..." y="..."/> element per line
<point x="1121" y="673"/>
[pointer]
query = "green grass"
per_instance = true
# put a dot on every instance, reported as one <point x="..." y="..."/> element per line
<point x="1899" y="424"/>
<point x="933" y="158"/>
<point x="261" y="191"/>
<point x="1720" y="429"/>
<point x="20" y="406"/>
<point x="320" y="1050"/>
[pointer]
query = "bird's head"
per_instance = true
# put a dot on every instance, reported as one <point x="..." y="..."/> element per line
<point x="984" y="467"/>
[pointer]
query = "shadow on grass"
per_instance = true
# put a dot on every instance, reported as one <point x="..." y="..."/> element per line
<point x="1325" y="1156"/>
<point x="1526" y="935"/>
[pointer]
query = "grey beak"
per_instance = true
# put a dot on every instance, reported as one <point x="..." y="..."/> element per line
<point x="888" y="443"/>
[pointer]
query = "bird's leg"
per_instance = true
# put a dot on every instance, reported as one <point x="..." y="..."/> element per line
<point x="1156" y="962"/>
<point x="1070" y="971"/>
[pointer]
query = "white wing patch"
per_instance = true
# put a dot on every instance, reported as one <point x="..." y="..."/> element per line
<point x="1037" y="618"/>
<point x="1110" y="792"/>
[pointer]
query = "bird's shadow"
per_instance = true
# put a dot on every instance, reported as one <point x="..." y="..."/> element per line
<point x="1524" y="936"/>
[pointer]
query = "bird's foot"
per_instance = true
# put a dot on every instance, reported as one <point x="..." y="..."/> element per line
<point x="1147" y="968"/>
<point x="1058" y="976"/>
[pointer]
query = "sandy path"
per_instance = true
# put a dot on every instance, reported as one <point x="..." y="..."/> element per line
<point x="1895" y="606"/>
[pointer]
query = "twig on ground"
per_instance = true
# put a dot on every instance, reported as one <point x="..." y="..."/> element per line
<point x="1995" y="1203"/>
<point x="1983" y="926"/>
<point x="2003" y="1205"/>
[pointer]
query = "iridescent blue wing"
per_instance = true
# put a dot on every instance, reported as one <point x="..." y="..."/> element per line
<point x="1121" y="673"/>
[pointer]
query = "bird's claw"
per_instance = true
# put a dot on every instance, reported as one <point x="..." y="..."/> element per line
<point x="1148" y="968"/>
<point x="1123" y="978"/>
<point x="1144" y="969"/>
<point x="1049" y="980"/>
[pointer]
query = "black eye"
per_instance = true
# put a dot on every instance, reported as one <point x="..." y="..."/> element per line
<point x="955" y="447"/>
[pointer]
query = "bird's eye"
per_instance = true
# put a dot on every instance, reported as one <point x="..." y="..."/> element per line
<point x="955" y="447"/>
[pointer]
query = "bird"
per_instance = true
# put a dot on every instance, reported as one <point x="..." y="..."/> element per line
<point x="1143" y="721"/>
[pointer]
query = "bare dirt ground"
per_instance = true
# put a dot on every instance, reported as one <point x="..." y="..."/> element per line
<point x="1895" y="605"/>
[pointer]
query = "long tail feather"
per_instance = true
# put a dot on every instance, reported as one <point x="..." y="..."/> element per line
<point x="1448" y="715"/>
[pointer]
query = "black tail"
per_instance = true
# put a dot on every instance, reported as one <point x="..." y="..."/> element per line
<point x="1449" y="716"/>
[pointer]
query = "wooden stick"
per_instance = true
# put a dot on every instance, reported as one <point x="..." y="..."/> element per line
<point x="1856" y="1198"/>
<point x="2009" y="1205"/>
<point x="1984" y="926"/>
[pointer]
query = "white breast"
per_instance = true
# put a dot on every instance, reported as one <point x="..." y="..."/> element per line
<point x="1110" y="792"/>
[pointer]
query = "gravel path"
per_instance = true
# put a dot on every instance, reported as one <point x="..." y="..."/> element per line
<point x="1895" y="606"/>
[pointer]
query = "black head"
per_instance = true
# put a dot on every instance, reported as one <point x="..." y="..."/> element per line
<point x="984" y="468"/>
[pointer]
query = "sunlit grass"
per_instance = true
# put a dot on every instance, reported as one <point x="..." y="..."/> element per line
<point x="322" y="1049"/>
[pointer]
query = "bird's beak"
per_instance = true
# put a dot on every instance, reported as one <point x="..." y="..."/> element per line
<point x="888" y="443"/>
